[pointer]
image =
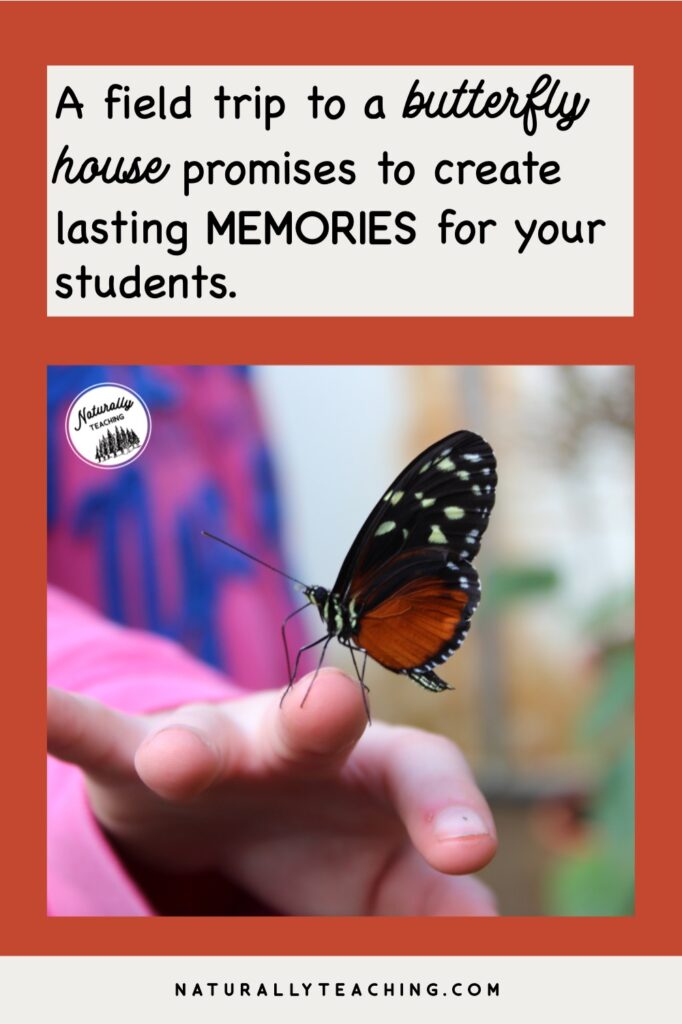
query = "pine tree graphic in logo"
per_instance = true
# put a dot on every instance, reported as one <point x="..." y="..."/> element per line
<point x="111" y="445"/>
<point x="108" y="425"/>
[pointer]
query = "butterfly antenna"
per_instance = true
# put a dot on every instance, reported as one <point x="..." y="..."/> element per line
<point x="254" y="559"/>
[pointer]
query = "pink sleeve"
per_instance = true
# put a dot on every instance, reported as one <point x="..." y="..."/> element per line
<point x="132" y="671"/>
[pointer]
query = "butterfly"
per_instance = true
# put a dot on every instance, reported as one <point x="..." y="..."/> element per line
<point x="407" y="589"/>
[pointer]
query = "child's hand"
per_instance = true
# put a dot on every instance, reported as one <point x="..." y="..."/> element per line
<point x="286" y="803"/>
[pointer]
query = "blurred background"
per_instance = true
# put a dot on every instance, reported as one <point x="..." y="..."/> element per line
<point x="544" y="700"/>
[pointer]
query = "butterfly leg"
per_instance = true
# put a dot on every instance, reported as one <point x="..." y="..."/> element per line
<point x="302" y="650"/>
<point x="364" y="689"/>
<point x="306" y="647"/>
<point x="290" y="674"/>
<point x="319" y="666"/>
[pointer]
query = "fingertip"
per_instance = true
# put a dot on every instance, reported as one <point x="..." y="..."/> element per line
<point x="320" y="723"/>
<point x="177" y="762"/>
<point x="459" y="856"/>
<point x="435" y="794"/>
<point x="460" y="839"/>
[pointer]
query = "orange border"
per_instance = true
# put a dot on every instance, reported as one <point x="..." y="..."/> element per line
<point x="37" y="34"/>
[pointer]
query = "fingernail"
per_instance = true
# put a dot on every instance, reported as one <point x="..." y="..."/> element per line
<point x="457" y="823"/>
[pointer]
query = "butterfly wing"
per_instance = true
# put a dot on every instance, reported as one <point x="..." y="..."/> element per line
<point x="443" y="498"/>
<point x="408" y="578"/>
<point x="415" y="613"/>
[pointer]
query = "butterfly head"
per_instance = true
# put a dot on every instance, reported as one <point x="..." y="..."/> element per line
<point x="317" y="596"/>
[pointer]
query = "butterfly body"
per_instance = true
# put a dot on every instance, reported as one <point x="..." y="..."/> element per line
<point x="339" y="619"/>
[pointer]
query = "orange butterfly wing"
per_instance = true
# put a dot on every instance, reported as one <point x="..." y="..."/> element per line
<point x="413" y="625"/>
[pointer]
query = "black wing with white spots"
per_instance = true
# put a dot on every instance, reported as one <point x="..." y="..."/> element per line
<point x="441" y="500"/>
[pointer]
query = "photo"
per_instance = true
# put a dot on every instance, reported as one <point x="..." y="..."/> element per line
<point x="340" y="641"/>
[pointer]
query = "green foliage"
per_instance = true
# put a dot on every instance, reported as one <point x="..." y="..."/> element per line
<point x="505" y="585"/>
<point x="591" y="885"/>
<point x="611" y="710"/>
<point x="599" y="881"/>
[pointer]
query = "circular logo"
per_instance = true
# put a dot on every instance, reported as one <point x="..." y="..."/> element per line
<point x="108" y="425"/>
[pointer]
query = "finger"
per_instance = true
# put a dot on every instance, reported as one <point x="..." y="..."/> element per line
<point x="412" y="887"/>
<point x="431" y="787"/>
<point x="98" y="739"/>
<point x="188" y="751"/>
<point x="317" y="736"/>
